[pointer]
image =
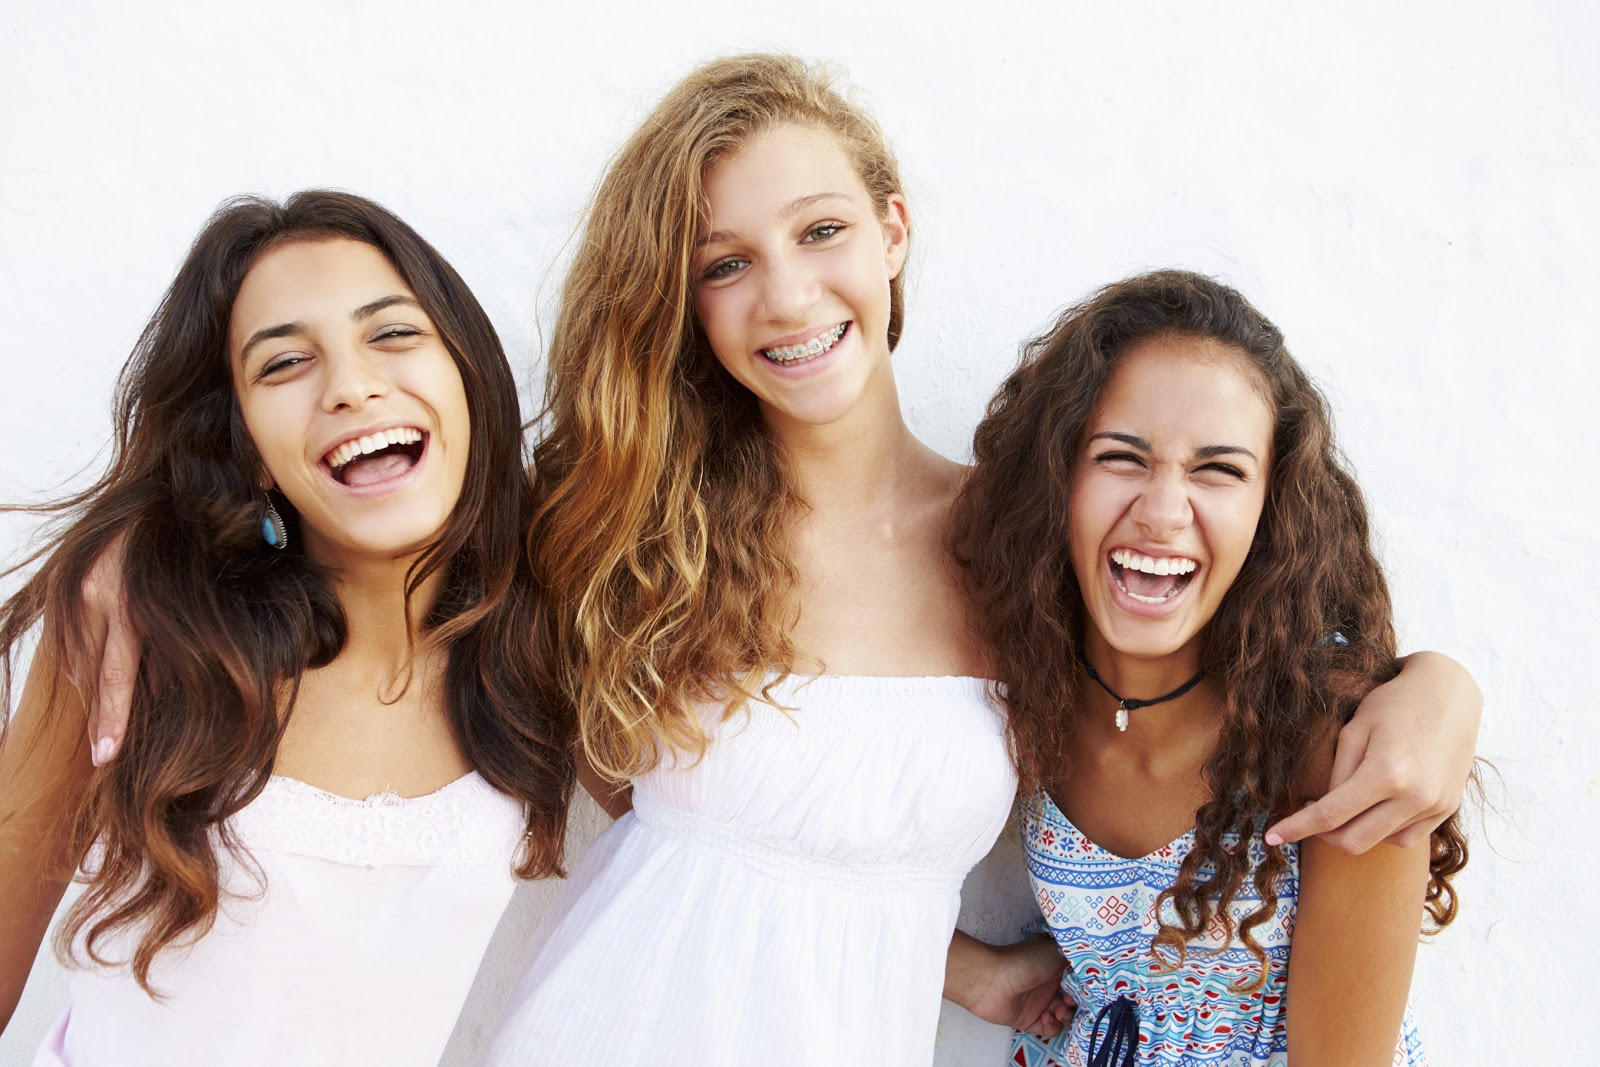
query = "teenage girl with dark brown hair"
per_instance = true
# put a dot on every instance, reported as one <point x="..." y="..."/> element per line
<point x="341" y="753"/>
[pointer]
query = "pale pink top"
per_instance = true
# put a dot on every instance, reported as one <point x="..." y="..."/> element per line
<point x="356" y="944"/>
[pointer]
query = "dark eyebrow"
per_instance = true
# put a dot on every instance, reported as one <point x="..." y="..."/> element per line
<point x="1208" y="452"/>
<point x="1126" y="438"/>
<point x="287" y="329"/>
<point x="793" y="208"/>
<point x="1212" y="451"/>
<point x="368" y="310"/>
<point x="290" y="329"/>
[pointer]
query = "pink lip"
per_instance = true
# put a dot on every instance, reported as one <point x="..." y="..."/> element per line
<point x="388" y="485"/>
<point x="1138" y="608"/>
<point x="802" y="335"/>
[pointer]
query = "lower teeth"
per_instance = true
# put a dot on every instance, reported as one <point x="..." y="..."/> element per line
<point x="1141" y="598"/>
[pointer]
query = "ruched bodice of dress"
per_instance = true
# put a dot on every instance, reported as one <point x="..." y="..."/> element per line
<point x="786" y="899"/>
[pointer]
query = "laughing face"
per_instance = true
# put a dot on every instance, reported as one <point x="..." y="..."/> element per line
<point x="351" y="398"/>
<point x="1166" y="494"/>
<point x="793" y="274"/>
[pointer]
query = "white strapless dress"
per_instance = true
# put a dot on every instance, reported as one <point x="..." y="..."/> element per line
<point x="786" y="900"/>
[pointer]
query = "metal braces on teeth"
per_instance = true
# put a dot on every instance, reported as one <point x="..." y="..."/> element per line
<point x="810" y="349"/>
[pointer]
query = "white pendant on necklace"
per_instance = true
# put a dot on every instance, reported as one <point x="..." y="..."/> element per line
<point x="1122" y="718"/>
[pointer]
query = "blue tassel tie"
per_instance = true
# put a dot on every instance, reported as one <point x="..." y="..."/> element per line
<point x="1121" y="1047"/>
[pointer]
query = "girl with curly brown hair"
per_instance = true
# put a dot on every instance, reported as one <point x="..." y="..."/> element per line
<point x="1173" y="566"/>
<point x="342" y="754"/>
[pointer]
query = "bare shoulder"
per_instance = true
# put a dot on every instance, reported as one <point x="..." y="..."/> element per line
<point x="938" y="480"/>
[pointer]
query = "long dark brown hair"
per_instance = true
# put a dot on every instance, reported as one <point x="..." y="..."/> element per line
<point x="1310" y="573"/>
<point x="226" y="622"/>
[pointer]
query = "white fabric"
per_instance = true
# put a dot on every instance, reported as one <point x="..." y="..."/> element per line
<point x="356" y="944"/>
<point x="787" y="900"/>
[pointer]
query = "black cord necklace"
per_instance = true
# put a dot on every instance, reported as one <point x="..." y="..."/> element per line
<point x="1124" y="705"/>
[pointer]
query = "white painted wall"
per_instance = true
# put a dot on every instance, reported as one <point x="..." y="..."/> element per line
<point x="1407" y="189"/>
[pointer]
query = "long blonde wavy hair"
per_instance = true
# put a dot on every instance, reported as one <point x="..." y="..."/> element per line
<point x="662" y="531"/>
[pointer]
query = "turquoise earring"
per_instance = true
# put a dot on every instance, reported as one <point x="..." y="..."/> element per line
<point x="273" y="531"/>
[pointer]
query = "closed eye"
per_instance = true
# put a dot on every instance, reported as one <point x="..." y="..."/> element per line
<point x="1225" y="468"/>
<point x="396" y="331"/>
<point x="1119" y="457"/>
<point x="282" y="363"/>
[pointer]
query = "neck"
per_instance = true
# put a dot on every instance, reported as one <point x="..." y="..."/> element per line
<point x="858" y="460"/>
<point x="1140" y="677"/>
<point x="1147" y="678"/>
<point x="380" y="632"/>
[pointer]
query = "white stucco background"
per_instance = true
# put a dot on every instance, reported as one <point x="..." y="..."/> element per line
<point x="1407" y="189"/>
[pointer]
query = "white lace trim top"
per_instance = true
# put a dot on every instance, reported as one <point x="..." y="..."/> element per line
<point x="351" y="934"/>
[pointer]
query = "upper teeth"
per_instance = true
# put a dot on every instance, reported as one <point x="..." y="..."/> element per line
<point x="1123" y="557"/>
<point x="360" y="446"/>
<point x="806" y="349"/>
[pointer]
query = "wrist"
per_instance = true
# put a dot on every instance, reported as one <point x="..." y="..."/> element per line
<point x="968" y="970"/>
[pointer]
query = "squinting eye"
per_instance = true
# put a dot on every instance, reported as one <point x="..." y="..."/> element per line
<point x="390" y="332"/>
<point x="281" y="363"/>
<point x="822" y="232"/>
<point x="1225" y="468"/>
<point x="1118" y="457"/>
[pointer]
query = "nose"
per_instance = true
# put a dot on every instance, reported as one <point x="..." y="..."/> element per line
<point x="354" y="377"/>
<point x="788" y="288"/>
<point x="1163" y="508"/>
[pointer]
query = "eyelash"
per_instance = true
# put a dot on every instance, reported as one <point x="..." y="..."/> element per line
<point x="815" y="235"/>
<point x="833" y="228"/>
<point x="387" y="333"/>
<point x="715" y="271"/>
<point x="279" y="364"/>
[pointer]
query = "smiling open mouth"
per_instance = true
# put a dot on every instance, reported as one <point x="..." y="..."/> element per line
<point x="1151" y="579"/>
<point x="806" y="351"/>
<point x="377" y="457"/>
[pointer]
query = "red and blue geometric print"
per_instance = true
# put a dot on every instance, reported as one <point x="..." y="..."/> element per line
<point x="1101" y="910"/>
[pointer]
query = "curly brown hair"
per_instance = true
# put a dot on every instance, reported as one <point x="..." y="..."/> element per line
<point x="227" y="624"/>
<point x="1310" y="573"/>
<point x="665" y="506"/>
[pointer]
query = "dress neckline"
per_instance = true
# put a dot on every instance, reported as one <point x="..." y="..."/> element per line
<point x="1176" y="845"/>
<point x="387" y="798"/>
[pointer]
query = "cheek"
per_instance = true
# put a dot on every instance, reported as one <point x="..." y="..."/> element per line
<point x="714" y="314"/>
<point x="272" y="429"/>
<point x="1085" y="524"/>
<point x="1235" y="528"/>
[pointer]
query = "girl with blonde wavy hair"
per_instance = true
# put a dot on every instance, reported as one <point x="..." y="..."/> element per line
<point x="759" y="629"/>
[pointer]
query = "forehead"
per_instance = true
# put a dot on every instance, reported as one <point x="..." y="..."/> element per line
<point x="310" y="281"/>
<point x="772" y="170"/>
<point x="1186" y="392"/>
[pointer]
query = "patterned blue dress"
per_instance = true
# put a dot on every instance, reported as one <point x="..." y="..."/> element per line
<point x="1100" y="908"/>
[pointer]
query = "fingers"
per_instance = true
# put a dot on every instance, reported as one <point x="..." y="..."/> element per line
<point x="1401" y="819"/>
<point x="1055" y="1017"/>
<point x="108" y="653"/>
<point x="118" y="668"/>
<point x="1348" y="753"/>
<point x="1418" y="831"/>
<point x="1378" y="798"/>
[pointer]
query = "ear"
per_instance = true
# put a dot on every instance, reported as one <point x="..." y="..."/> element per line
<point x="896" y="224"/>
